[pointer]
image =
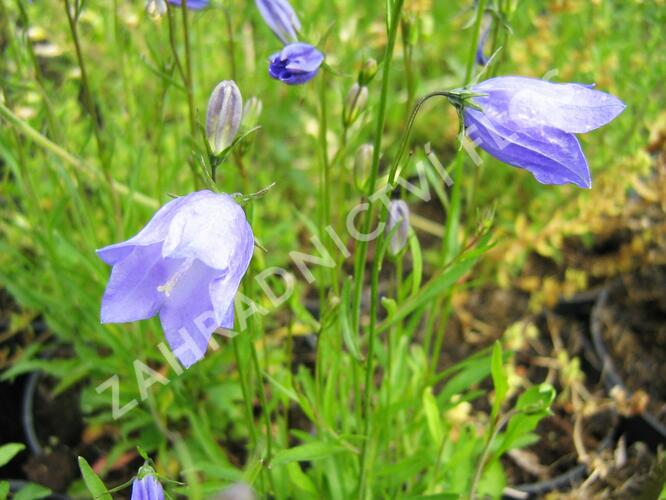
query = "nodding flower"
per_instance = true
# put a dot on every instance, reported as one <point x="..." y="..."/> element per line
<point x="185" y="265"/>
<point x="531" y="124"/>
<point x="296" y="63"/>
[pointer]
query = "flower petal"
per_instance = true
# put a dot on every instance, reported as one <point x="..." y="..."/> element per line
<point x="131" y="293"/>
<point x="210" y="227"/>
<point x="528" y="102"/>
<point x="223" y="289"/>
<point x="187" y="314"/>
<point x="553" y="156"/>
<point x="153" y="232"/>
<point x="148" y="488"/>
<point x="301" y="57"/>
<point x="280" y="18"/>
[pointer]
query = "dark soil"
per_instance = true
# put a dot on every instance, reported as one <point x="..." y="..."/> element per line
<point x="633" y="328"/>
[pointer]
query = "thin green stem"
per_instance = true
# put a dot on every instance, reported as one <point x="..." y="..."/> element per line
<point x="246" y="396"/>
<point x="264" y="405"/>
<point x="362" y="249"/>
<point x="189" y="83"/>
<point x="394" y="17"/>
<point x="496" y="427"/>
<point x="91" y="109"/>
<point x="325" y="177"/>
<point x="471" y="58"/>
<point x="185" y="72"/>
<point x="231" y="44"/>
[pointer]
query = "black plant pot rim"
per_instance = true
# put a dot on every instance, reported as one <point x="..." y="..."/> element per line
<point x="28" y="423"/>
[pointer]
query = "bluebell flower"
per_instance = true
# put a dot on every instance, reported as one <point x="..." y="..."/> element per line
<point x="296" y="63"/>
<point x="398" y="215"/>
<point x="191" y="4"/>
<point x="147" y="488"/>
<point x="280" y="18"/>
<point x="186" y="265"/>
<point x="530" y="124"/>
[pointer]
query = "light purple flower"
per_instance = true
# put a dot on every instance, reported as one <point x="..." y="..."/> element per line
<point x="398" y="215"/>
<point x="186" y="265"/>
<point x="280" y="18"/>
<point x="147" y="488"/>
<point x="531" y="123"/>
<point x="296" y="63"/>
<point x="191" y="4"/>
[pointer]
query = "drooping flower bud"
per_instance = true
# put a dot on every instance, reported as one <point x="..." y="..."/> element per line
<point x="398" y="215"/>
<point x="223" y="118"/>
<point x="295" y="64"/>
<point x="280" y="18"/>
<point x="156" y="8"/>
<point x="368" y="72"/>
<point x="251" y="112"/>
<point x="355" y="102"/>
<point x="363" y="165"/>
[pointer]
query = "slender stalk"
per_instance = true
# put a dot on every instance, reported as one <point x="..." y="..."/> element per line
<point x="246" y="396"/>
<point x="185" y="72"/>
<point x="91" y="109"/>
<point x="264" y="405"/>
<point x="450" y="242"/>
<point x="497" y="426"/>
<point x="471" y="58"/>
<point x="325" y="177"/>
<point x="189" y="83"/>
<point x="362" y="250"/>
<point x="231" y="44"/>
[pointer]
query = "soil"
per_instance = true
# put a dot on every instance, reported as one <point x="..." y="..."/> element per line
<point x="633" y="329"/>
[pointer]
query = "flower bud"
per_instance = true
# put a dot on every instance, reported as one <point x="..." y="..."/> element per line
<point x="251" y="112"/>
<point x="357" y="98"/>
<point x="363" y="165"/>
<point x="398" y="215"/>
<point x="223" y="118"/>
<point x="156" y="8"/>
<point x="368" y="72"/>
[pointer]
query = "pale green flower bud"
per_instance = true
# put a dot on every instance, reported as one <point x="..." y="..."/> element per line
<point x="368" y="72"/>
<point x="363" y="165"/>
<point x="251" y="112"/>
<point x="356" y="100"/>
